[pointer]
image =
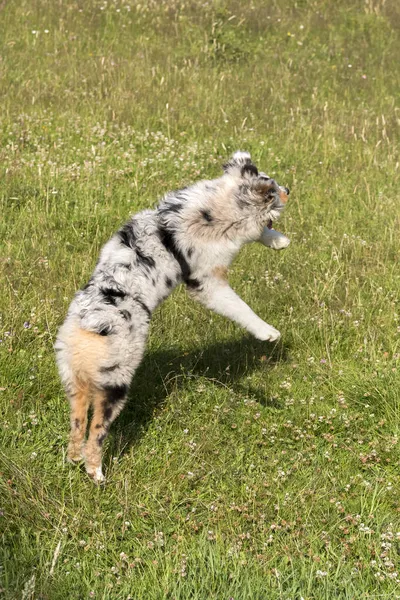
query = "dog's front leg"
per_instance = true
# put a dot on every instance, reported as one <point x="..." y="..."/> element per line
<point x="217" y="295"/>
<point x="274" y="239"/>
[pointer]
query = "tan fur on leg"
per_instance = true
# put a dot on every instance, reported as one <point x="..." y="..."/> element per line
<point x="93" y="448"/>
<point x="79" y="400"/>
<point x="107" y="404"/>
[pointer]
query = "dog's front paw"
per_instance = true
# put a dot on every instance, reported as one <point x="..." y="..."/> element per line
<point x="274" y="239"/>
<point x="280" y="243"/>
<point x="268" y="334"/>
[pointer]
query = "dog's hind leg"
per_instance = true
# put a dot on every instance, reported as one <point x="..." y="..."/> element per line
<point x="107" y="404"/>
<point x="79" y="398"/>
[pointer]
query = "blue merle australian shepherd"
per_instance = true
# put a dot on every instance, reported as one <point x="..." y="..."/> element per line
<point x="191" y="237"/>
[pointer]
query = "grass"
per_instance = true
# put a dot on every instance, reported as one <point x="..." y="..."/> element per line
<point x="239" y="470"/>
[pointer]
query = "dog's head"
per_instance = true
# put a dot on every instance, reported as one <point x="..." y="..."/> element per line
<point x="256" y="187"/>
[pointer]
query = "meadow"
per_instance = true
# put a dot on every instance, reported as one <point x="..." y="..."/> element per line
<point x="240" y="470"/>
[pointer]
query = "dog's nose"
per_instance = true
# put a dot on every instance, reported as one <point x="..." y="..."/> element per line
<point x="283" y="194"/>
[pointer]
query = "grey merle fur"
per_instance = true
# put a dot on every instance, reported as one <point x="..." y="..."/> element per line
<point x="191" y="238"/>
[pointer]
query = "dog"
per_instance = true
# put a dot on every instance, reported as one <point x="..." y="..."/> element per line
<point x="191" y="238"/>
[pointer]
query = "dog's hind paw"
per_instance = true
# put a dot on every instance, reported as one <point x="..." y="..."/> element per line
<point x="96" y="475"/>
<point x="74" y="454"/>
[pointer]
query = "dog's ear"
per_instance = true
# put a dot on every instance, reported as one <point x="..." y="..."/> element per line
<point x="240" y="164"/>
<point x="249" y="170"/>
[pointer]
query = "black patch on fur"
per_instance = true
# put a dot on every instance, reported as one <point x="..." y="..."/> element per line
<point x="108" y="369"/>
<point x="77" y="424"/>
<point x="126" y="314"/>
<point x="98" y="426"/>
<point x="101" y="438"/>
<point x="250" y="169"/>
<point x="190" y="252"/>
<point x="115" y="393"/>
<point x="143" y="305"/>
<point x="110" y="295"/>
<point x="207" y="216"/>
<point x="107" y="413"/>
<point x="168" y="241"/>
<point x="105" y="331"/>
<point x="168" y="282"/>
<point x="193" y="284"/>
<point x="127" y="235"/>
<point x="147" y="261"/>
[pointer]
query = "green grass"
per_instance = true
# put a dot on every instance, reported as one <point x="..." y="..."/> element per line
<point x="239" y="470"/>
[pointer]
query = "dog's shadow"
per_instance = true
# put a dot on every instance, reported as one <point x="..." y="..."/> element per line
<point x="162" y="371"/>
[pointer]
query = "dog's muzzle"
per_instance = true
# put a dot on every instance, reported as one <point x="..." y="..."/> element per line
<point x="283" y="194"/>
